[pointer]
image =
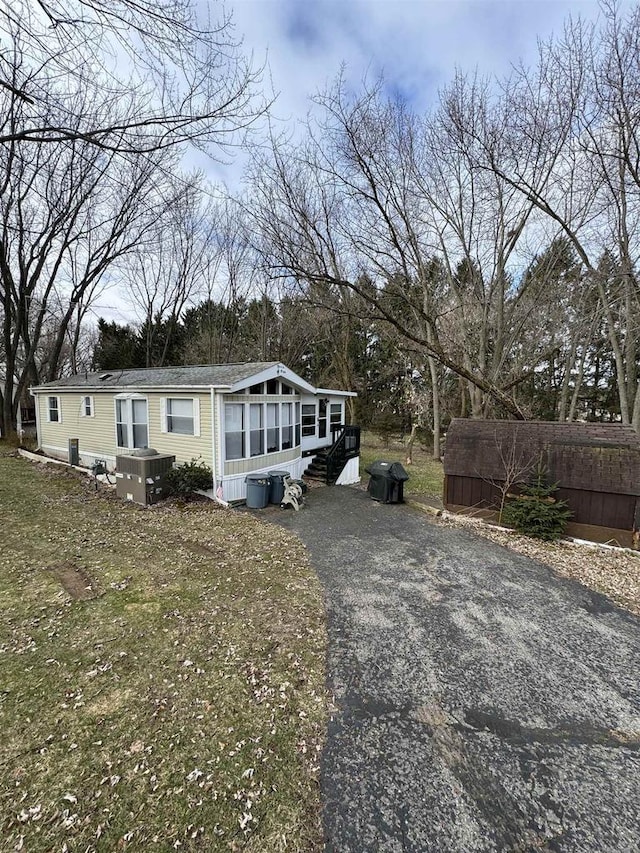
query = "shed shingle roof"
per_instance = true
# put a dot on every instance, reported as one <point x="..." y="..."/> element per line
<point x="594" y="457"/>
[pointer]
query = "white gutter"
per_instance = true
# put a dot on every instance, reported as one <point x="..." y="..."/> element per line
<point x="331" y="393"/>
<point x="219" y="413"/>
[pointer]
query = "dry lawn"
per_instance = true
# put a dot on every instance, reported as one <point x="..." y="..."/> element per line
<point x="161" y="674"/>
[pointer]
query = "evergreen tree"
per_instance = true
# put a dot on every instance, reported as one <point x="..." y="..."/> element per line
<point x="536" y="512"/>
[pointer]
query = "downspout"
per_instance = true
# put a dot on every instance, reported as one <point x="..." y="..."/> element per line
<point x="214" y="427"/>
<point x="219" y="414"/>
<point x="36" y="397"/>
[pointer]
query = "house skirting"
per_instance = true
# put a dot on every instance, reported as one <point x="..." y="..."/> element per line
<point x="234" y="487"/>
<point x="87" y="457"/>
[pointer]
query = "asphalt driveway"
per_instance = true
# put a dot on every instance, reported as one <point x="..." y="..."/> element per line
<point x="484" y="703"/>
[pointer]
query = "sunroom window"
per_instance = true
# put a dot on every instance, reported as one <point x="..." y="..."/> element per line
<point x="256" y="429"/>
<point x="234" y="430"/>
<point x="273" y="428"/>
<point x="287" y="426"/>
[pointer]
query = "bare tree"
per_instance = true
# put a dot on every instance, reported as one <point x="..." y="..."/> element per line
<point x="170" y="270"/>
<point x="173" y="78"/>
<point x="576" y="110"/>
<point x="516" y="462"/>
<point x="67" y="212"/>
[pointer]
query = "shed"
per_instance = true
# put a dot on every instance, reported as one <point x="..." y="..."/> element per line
<point x="597" y="467"/>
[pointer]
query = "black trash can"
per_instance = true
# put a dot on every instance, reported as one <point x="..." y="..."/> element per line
<point x="277" y="486"/>
<point x="386" y="483"/>
<point x="258" y="486"/>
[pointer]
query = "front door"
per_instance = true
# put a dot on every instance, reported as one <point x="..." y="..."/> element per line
<point x="322" y="419"/>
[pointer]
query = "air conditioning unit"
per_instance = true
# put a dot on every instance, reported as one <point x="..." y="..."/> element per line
<point x="141" y="476"/>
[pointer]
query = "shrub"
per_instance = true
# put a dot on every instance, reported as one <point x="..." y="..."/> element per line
<point x="536" y="512"/>
<point x="185" y="479"/>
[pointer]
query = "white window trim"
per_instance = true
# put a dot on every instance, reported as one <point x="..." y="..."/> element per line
<point x="56" y="397"/>
<point x="83" y="413"/>
<point x="164" y="417"/>
<point x="130" y="422"/>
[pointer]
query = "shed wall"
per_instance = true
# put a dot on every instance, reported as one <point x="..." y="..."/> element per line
<point x="595" y="509"/>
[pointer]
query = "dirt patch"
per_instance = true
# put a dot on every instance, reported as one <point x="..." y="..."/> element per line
<point x="74" y="580"/>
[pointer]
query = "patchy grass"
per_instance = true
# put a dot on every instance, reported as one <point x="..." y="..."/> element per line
<point x="161" y="674"/>
<point x="426" y="474"/>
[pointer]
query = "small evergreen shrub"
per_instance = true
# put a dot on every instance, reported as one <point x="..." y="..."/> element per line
<point x="536" y="512"/>
<point x="185" y="479"/>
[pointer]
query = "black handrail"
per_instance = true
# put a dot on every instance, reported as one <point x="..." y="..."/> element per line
<point x="346" y="446"/>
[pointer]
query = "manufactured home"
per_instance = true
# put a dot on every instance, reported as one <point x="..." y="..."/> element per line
<point x="236" y="418"/>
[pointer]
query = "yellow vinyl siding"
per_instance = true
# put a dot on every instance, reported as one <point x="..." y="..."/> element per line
<point x="97" y="434"/>
<point x="185" y="447"/>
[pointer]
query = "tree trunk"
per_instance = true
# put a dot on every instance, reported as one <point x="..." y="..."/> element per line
<point x="435" y="392"/>
<point x="409" y="457"/>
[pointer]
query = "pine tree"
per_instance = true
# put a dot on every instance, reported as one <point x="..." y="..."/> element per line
<point x="536" y="512"/>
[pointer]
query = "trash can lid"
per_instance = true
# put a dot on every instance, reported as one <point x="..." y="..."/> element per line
<point x="257" y="478"/>
<point x="279" y="474"/>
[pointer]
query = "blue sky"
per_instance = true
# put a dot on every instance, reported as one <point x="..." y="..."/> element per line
<point x="417" y="44"/>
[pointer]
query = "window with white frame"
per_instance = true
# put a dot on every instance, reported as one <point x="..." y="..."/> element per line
<point x="132" y="422"/>
<point x="54" y="410"/>
<point x="256" y="429"/>
<point x="87" y="407"/>
<point x="234" y="430"/>
<point x="335" y="415"/>
<point x="287" y="425"/>
<point x="273" y="427"/>
<point x="180" y="415"/>
<point x="308" y="419"/>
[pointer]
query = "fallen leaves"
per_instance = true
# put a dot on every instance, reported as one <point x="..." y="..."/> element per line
<point x="184" y="707"/>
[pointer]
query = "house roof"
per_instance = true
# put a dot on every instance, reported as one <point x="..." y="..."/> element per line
<point x="230" y="377"/>
<point x="586" y="456"/>
<point x="205" y="375"/>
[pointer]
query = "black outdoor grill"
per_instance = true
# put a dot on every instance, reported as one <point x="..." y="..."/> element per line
<point x="386" y="483"/>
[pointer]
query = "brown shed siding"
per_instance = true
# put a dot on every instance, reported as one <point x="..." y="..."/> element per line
<point x="597" y="467"/>
<point x="600" y="508"/>
<point x="470" y="491"/>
